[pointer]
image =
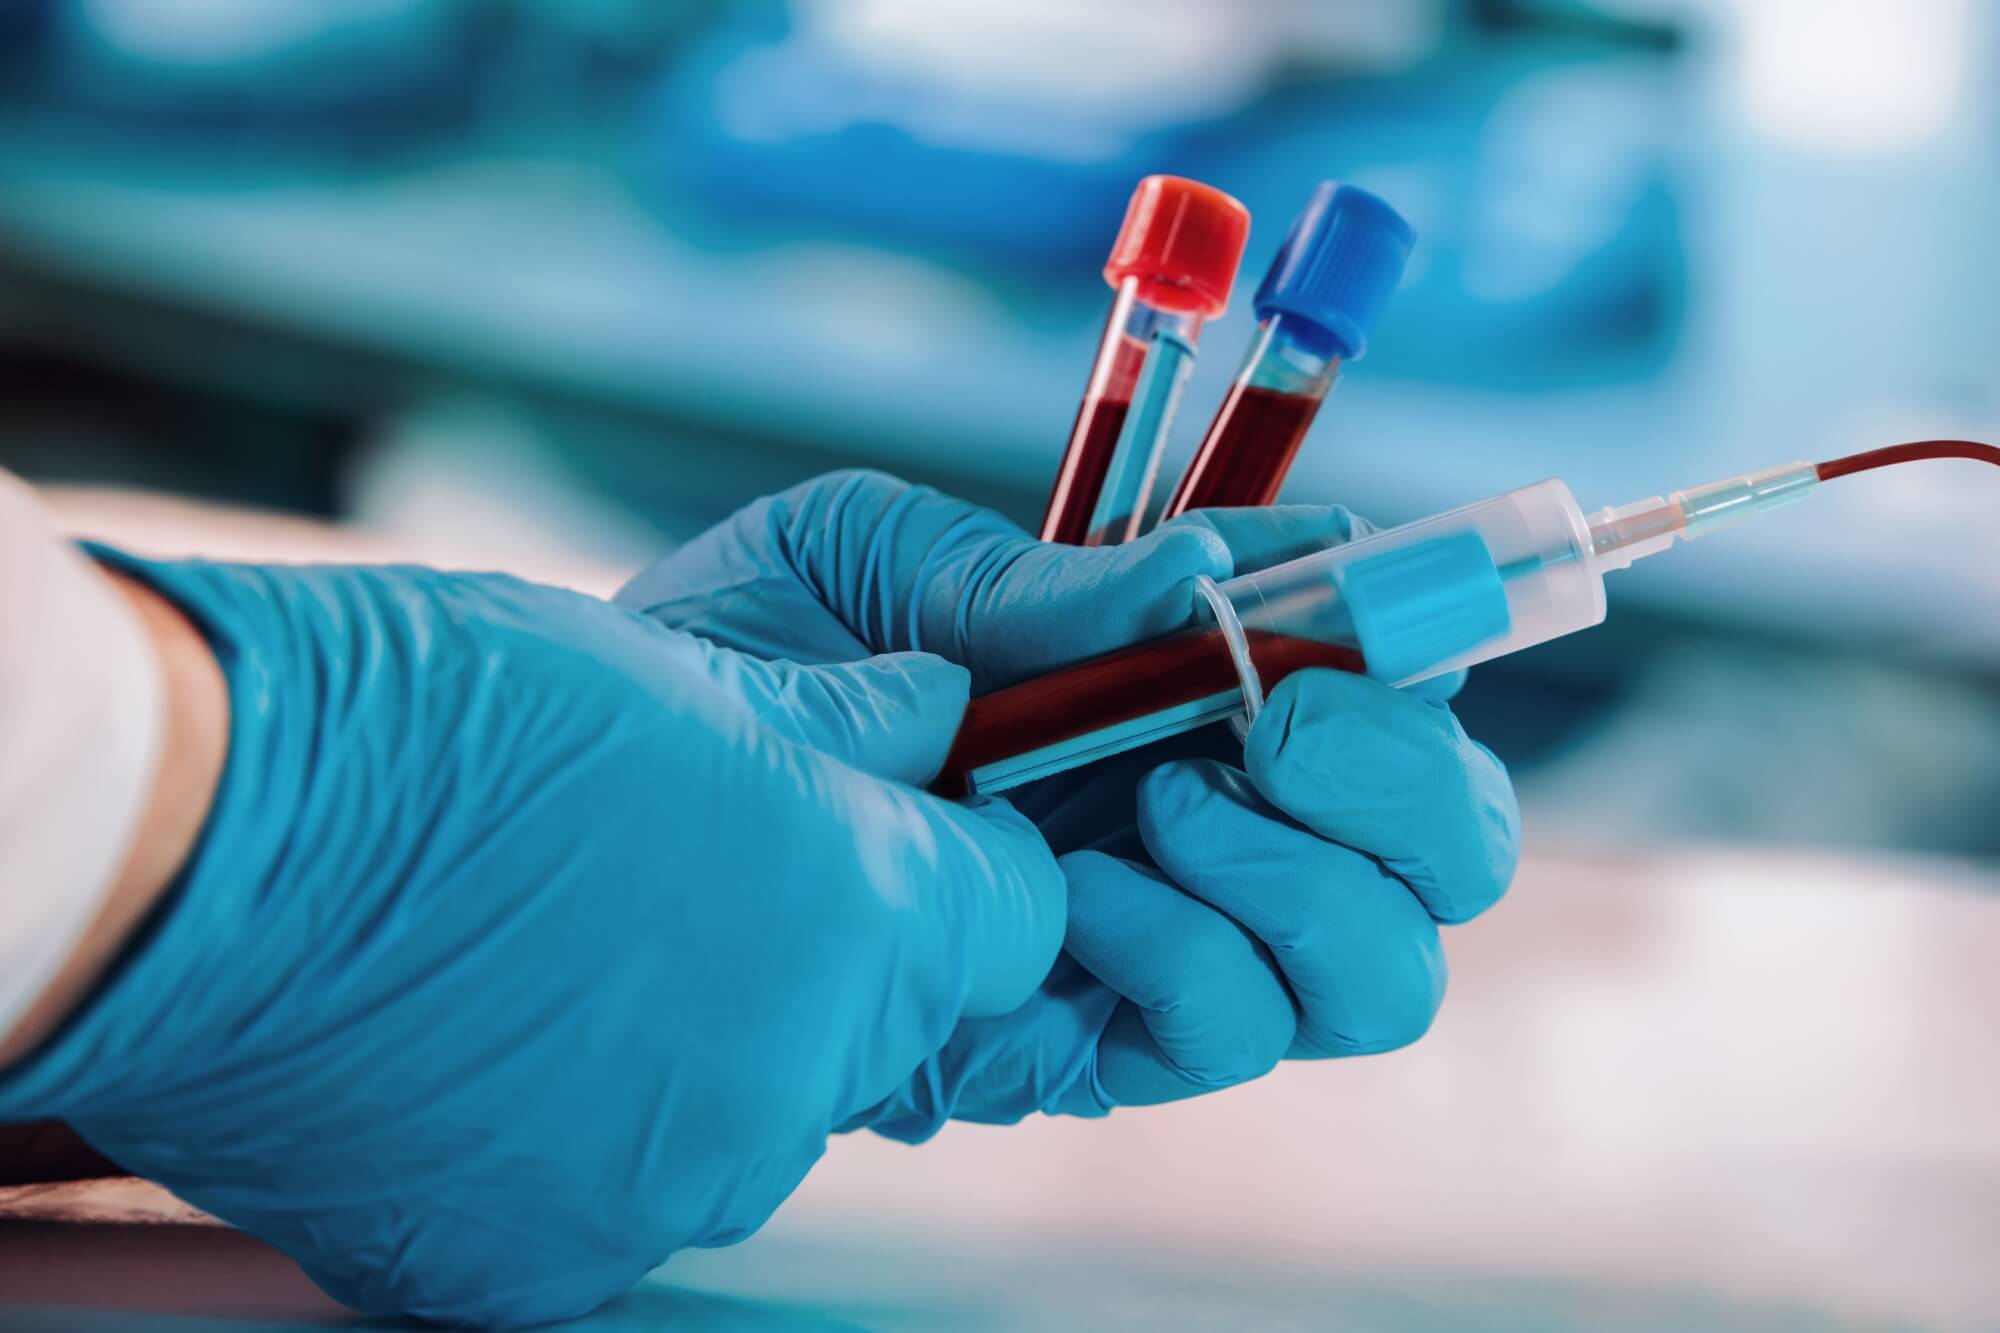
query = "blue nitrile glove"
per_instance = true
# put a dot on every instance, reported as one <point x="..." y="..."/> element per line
<point x="1220" y="919"/>
<point x="529" y="941"/>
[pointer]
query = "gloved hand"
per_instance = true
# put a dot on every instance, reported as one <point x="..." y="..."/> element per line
<point x="529" y="941"/>
<point x="1222" y="915"/>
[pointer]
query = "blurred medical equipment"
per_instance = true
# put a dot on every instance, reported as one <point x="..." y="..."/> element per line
<point x="1319" y="301"/>
<point x="917" y="119"/>
<point x="1402" y="606"/>
<point x="270" y="72"/>
<point x="1172" y="268"/>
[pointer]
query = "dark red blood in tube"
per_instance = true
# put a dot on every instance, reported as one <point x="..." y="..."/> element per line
<point x="1119" y="687"/>
<point x="1248" y="450"/>
<point x="1092" y="441"/>
<point x="1091" y="444"/>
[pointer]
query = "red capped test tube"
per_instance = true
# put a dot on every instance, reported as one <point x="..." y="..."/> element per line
<point x="1316" y="307"/>
<point x="1172" y="267"/>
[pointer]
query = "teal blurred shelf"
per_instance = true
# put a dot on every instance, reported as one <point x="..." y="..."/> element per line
<point x="548" y="278"/>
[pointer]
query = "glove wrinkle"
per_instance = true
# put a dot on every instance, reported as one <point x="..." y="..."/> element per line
<point x="529" y="941"/>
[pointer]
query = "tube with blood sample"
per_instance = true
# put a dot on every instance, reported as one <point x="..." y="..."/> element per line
<point x="1316" y="307"/>
<point x="1172" y="267"/>
<point x="1401" y="606"/>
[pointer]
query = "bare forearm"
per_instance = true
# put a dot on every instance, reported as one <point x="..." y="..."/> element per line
<point x="195" y="745"/>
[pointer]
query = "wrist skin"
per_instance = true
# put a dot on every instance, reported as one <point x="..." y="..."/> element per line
<point x="192" y="752"/>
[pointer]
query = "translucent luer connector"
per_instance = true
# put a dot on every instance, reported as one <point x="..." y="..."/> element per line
<point x="1719" y="503"/>
<point x="1632" y="532"/>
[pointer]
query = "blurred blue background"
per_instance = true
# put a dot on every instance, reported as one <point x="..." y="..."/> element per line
<point x="552" y="284"/>
<point x="591" y="273"/>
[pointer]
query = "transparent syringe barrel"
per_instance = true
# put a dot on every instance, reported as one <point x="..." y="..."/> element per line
<point x="1435" y="599"/>
<point x="1401" y="605"/>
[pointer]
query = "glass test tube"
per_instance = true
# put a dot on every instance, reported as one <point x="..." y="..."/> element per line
<point x="1317" y="305"/>
<point x="1172" y="267"/>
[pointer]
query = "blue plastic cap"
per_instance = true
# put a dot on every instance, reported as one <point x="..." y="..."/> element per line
<point x="1339" y="265"/>
<point x="1424" y="603"/>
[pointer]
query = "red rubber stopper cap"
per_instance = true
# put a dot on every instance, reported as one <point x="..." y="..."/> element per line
<point x="1182" y="240"/>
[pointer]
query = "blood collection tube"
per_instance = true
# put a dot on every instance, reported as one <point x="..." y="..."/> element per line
<point x="1318" y="303"/>
<point x="1172" y="267"/>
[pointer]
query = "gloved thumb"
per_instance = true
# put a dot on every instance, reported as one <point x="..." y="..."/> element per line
<point x="893" y="715"/>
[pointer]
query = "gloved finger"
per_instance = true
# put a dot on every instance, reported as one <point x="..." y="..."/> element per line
<point x="1055" y="604"/>
<point x="983" y="915"/>
<point x="908" y="913"/>
<point x="1204" y="1006"/>
<point x="734" y="585"/>
<point x="893" y="716"/>
<point x="1360" y="954"/>
<point x="1012" y="609"/>
<point x="994" y="909"/>
<point x="859" y="562"/>
<point x="1042" y="1056"/>
<point x="1393" y="776"/>
<point x="1261" y="537"/>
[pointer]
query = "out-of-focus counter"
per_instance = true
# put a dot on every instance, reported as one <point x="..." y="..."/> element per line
<point x="1714" y="1089"/>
